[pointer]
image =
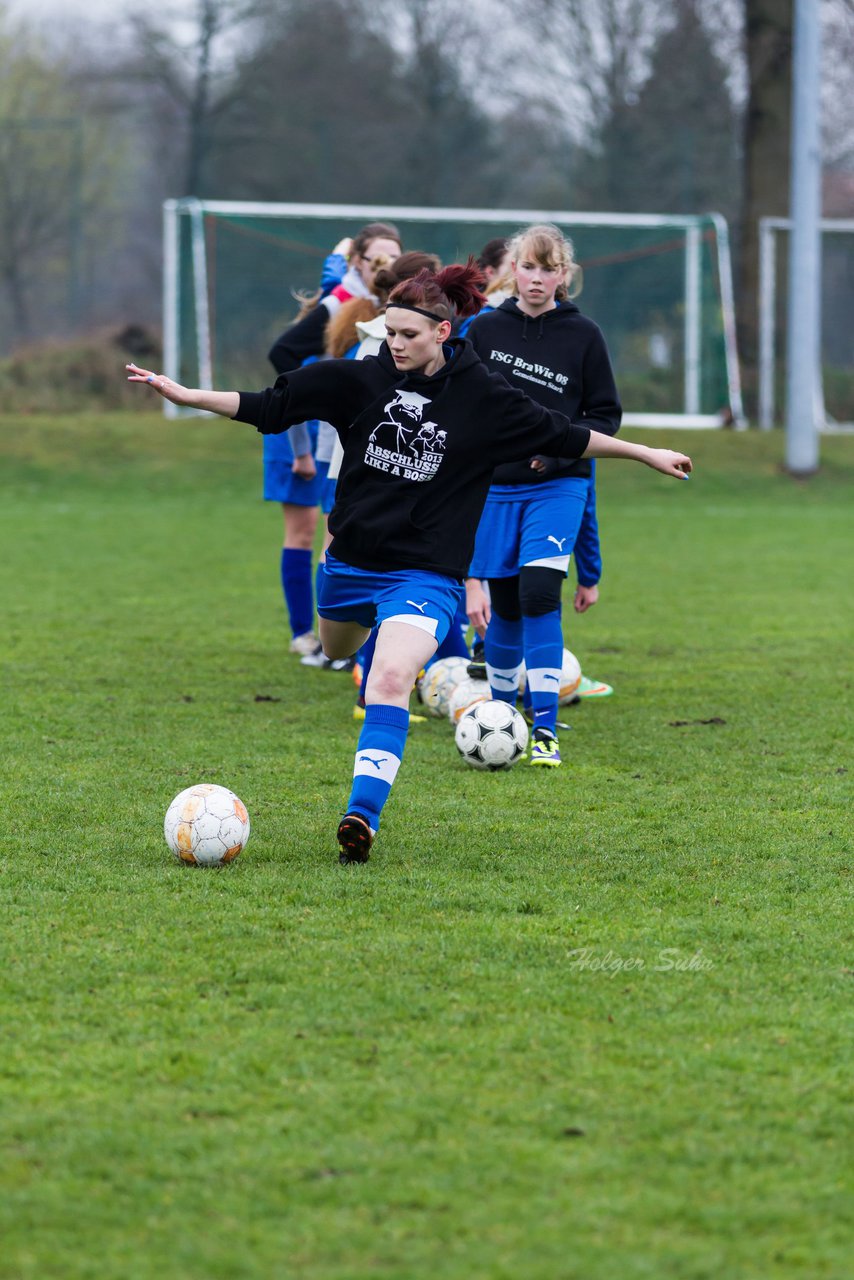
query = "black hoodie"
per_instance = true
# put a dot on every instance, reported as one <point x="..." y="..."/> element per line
<point x="561" y="361"/>
<point x="419" y="451"/>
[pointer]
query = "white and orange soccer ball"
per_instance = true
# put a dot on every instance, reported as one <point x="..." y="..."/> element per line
<point x="438" y="683"/>
<point x="465" y="695"/>
<point x="570" y="678"/>
<point x="206" y="825"/>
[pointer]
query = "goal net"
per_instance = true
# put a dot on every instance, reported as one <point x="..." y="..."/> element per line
<point x="660" y="287"/>
<point x="833" y="398"/>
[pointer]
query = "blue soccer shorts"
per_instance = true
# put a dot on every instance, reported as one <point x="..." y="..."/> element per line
<point x="425" y="600"/>
<point x="281" y="485"/>
<point x="327" y="496"/>
<point x="529" y="525"/>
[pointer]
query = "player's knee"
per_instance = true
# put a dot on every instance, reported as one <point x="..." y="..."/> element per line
<point x="539" y="590"/>
<point x="300" y="527"/>
<point x="389" y="681"/>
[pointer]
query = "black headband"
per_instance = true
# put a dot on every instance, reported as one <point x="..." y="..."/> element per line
<point x="406" y="306"/>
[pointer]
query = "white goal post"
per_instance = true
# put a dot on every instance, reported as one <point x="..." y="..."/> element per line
<point x="771" y="277"/>
<point x="661" y="284"/>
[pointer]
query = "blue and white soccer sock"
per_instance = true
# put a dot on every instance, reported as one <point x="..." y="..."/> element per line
<point x="378" y="757"/>
<point x="502" y="651"/>
<point x="543" y="660"/>
<point x="297" y="589"/>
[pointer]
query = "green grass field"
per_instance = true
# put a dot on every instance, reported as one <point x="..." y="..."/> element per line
<point x="584" y="1025"/>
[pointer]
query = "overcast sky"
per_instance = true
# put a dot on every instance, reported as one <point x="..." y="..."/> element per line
<point x="71" y="15"/>
<point x="65" y="8"/>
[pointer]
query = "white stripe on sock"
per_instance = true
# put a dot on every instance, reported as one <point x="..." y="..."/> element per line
<point x="504" y="677"/>
<point x="544" y="679"/>
<point x="374" y="763"/>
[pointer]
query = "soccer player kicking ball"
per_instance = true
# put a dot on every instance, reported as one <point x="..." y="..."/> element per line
<point x="417" y="467"/>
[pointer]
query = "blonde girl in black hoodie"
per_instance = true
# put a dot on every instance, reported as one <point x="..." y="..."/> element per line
<point x="539" y="341"/>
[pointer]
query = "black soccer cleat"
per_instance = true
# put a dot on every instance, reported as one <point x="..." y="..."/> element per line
<point x="354" y="839"/>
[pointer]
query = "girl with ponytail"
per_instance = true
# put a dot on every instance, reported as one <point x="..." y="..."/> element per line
<point x="353" y="332"/>
<point x="423" y="425"/>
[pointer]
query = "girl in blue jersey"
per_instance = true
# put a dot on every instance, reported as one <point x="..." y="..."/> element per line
<point x="413" y="482"/>
<point x="540" y="342"/>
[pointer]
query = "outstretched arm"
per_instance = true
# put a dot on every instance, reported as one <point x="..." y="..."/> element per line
<point x="333" y="390"/>
<point x="524" y="429"/>
<point x="225" y="403"/>
<point x="666" y="461"/>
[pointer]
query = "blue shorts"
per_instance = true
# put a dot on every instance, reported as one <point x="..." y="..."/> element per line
<point x="277" y="447"/>
<point x="281" y="485"/>
<point x="327" y="495"/>
<point x="428" y="601"/>
<point x="529" y="525"/>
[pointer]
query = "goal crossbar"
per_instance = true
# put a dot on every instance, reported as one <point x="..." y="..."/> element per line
<point x="691" y="227"/>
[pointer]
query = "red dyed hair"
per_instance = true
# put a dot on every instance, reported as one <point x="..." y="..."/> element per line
<point x="456" y="290"/>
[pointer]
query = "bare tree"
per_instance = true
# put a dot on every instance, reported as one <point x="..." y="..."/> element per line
<point x="48" y="185"/>
<point x="724" y="21"/>
<point x="767" y="125"/>
<point x="440" y="42"/>
<point x="679" y="142"/>
<point x="596" y="53"/>
<point x="838" y="82"/>
<point x="191" y="62"/>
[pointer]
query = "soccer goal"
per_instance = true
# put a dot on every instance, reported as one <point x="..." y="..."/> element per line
<point x="833" y="398"/>
<point x="660" y="287"/>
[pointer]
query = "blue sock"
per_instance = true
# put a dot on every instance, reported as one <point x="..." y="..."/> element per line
<point x="378" y="757"/>
<point x="543" y="659"/>
<point x="296" y="585"/>
<point x="502" y="651"/>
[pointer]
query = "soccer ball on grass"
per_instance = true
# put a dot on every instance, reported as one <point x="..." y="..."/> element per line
<point x="491" y="735"/>
<point x="206" y="825"/>
<point x="570" y="678"/>
<point x="438" y="683"/>
<point x="465" y="695"/>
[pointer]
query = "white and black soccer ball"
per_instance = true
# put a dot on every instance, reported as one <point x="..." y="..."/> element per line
<point x="206" y="825"/>
<point x="491" y="735"/>
<point x="439" y="681"/>
<point x="465" y="695"/>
